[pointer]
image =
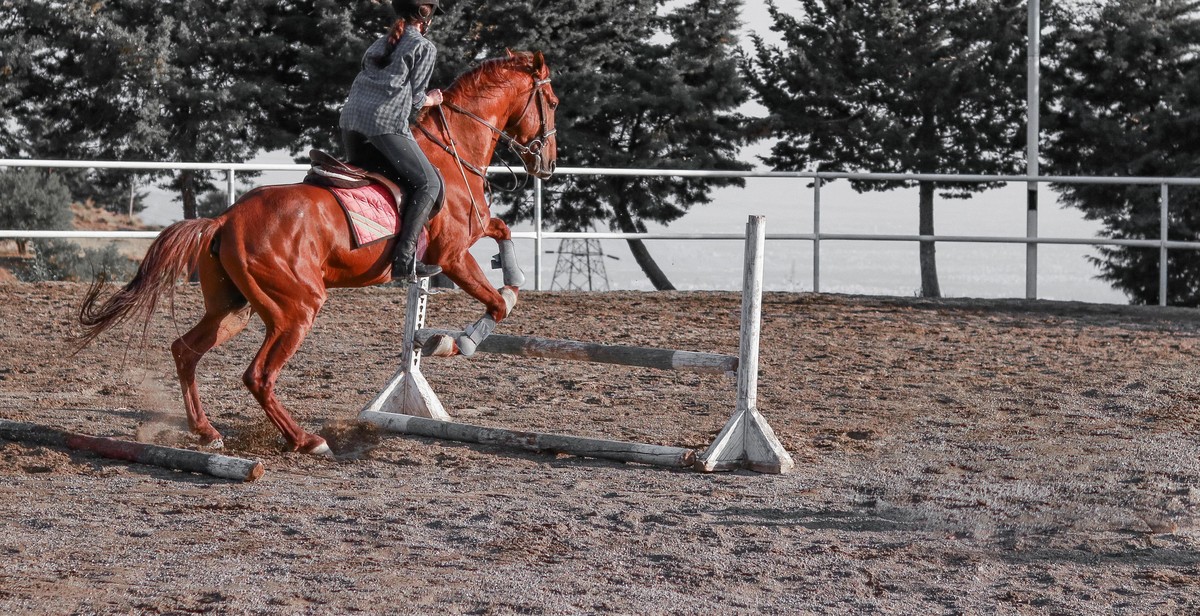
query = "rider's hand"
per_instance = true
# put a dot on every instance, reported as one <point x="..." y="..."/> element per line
<point x="433" y="97"/>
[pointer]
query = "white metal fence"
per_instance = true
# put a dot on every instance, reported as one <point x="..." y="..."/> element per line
<point x="539" y="235"/>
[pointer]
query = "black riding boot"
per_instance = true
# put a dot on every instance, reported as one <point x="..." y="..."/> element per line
<point x="406" y="266"/>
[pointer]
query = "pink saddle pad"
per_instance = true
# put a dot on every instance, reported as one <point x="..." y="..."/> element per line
<point x="372" y="214"/>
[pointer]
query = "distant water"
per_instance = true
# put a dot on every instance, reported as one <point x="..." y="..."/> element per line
<point x="856" y="267"/>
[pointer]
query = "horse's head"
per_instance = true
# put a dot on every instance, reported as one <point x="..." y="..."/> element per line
<point x="512" y="97"/>
<point x="532" y="123"/>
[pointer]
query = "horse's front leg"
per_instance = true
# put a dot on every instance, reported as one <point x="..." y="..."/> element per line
<point x="506" y="261"/>
<point x="466" y="273"/>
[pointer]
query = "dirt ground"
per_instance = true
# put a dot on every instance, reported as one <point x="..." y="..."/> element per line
<point x="953" y="457"/>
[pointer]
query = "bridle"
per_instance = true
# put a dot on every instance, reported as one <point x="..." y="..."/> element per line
<point x="532" y="148"/>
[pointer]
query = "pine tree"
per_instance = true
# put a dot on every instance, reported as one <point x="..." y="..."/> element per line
<point x="189" y="80"/>
<point x="210" y="80"/>
<point x="638" y="89"/>
<point x="897" y="86"/>
<point x="1124" y="94"/>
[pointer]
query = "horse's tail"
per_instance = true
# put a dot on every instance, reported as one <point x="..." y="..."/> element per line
<point x="173" y="255"/>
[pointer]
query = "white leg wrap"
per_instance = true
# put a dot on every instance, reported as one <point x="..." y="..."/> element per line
<point x="507" y="262"/>
<point x="475" y="333"/>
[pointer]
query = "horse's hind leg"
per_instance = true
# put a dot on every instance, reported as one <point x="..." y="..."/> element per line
<point x="212" y="330"/>
<point x="260" y="378"/>
<point x="288" y="320"/>
<point x="225" y="314"/>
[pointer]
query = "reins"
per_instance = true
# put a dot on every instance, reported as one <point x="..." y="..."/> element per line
<point x="533" y="148"/>
<point x="462" y="168"/>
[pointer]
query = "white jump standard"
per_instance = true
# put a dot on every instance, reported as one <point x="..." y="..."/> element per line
<point x="409" y="405"/>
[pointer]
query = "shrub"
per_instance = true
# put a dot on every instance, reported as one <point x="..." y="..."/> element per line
<point x="33" y="199"/>
<point x="57" y="259"/>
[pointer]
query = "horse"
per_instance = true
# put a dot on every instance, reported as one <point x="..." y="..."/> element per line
<point x="278" y="249"/>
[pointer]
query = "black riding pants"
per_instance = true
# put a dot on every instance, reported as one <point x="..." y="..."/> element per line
<point x="401" y="159"/>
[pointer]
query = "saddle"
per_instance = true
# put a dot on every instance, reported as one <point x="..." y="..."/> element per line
<point x="327" y="170"/>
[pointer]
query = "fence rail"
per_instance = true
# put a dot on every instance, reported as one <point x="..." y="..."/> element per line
<point x="539" y="235"/>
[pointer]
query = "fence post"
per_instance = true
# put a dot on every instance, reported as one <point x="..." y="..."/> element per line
<point x="1162" y="245"/>
<point x="1033" y="119"/>
<point x="1031" y="249"/>
<point x="229" y="187"/>
<point x="537" y="230"/>
<point x="817" y="235"/>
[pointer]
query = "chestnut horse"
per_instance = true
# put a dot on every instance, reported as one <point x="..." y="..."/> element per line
<point x="277" y="250"/>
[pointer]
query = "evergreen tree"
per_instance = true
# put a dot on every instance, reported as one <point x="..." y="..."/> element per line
<point x="638" y="89"/>
<point x="189" y="80"/>
<point x="897" y="86"/>
<point x="15" y="49"/>
<point x="221" y="80"/>
<point x="1124" y="92"/>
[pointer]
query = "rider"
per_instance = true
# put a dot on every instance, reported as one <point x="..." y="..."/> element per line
<point x="374" y="121"/>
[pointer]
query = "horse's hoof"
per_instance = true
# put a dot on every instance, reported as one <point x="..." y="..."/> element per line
<point x="321" y="450"/>
<point x="439" y="346"/>
<point x="211" y="439"/>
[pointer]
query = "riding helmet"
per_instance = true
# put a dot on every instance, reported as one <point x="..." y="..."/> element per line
<point x="410" y="8"/>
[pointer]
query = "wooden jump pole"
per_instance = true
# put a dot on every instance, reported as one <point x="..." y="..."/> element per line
<point x="658" y="455"/>
<point x="642" y="357"/>
<point x="217" y="465"/>
<point x="747" y="441"/>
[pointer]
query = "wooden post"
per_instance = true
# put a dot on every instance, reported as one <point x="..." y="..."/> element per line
<point x="644" y="357"/>
<point x="408" y="392"/>
<point x="658" y="455"/>
<point x="217" y="465"/>
<point x="748" y="441"/>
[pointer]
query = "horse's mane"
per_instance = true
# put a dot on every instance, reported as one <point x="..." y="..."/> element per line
<point x="489" y="78"/>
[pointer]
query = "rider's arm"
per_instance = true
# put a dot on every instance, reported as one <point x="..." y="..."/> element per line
<point x="422" y="70"/>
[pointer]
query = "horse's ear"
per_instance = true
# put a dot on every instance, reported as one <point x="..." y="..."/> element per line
<point x="539" y="62"/>
<point x="509" y="52"/>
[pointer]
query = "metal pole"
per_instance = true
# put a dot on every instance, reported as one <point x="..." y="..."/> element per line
<point x="537" y="229"/>
<point x="1031" y="154"/>
<point x="1162" y="250"/>
<point x="817" y="235"/>
<point x="229" y="187"/>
